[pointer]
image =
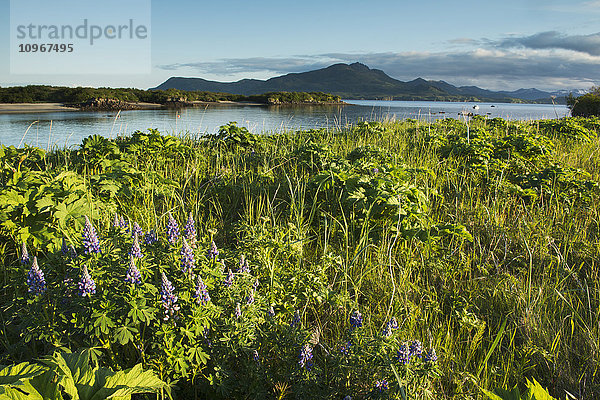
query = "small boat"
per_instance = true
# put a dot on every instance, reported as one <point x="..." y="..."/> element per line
<point x="475" y="107"/>
<point x="492" y="105"/>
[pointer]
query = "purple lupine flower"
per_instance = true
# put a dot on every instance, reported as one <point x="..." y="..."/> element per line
<point x="64" y="248"/>
<point x="255" y="356"/>
<point x="403" y="356"/>
<point x="24" y="254"/>
<point x="150" y="237"/>
<point x="189" y="231"/>
<point x="35" y="279"/>
<point x="271" y="312"/>
<point x="430" y="356"/>
<point x="375" y="170"/>
<point x="244" y="267"/>
<point x="91" y="244"/>
<point x="306" y="357"/>
<point x="136" y="229"/>
<point x="172" y="230"/>
<point x="168" y="298"/>
<point x="116" y="222"/>
<point x="72" y="251"/>
<point x="250" y="298"/>
<point x="296" y="321"/>
<point x="356" y="319"/>
<point x="415" y="348"/>
<point x="133" y="275"/>
<point x="389" y="327"/>
<point x="86" y="286"/>
<point x="229" y="279"/>
<point x="382" y="385"/>
<point x="136" y="250"/>
<point x="345" y="349"/>
<point x="238" y="311"/>
<point x="213" y="252"/>
<point x="201" y="295"/>
<point x="124" y="224"/>
<point x="187" y="258"/>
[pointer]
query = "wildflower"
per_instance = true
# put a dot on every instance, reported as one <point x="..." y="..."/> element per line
<point x="403" y="354"/>
<point x="87" y="286"/>
<point x="133" y="275"/>
<point x="72" y="251"/>
<point x="255" y="356"/>
<point x="250" y="298"/>
<point x="430" y="356"/>
<point x="382" y="385"/>
<point x="64" y="248"/>
<point x="244" y="267"/>
<point x="91" y="244"/>
<point x="35" y="279"/>
<point x="136" y="230"/>
<point x="189" y="231"/>
<point x="306" y="357"/>
<point x="391" y="325"/>
<point x="255" y="285"/>
<point x="150" y="237"/>
<point x="124" y="224"/>
<point x="116" y="222"/>
<point x="187" y="258"/>
<point x="271" y="312"/>
<point x="345" y="349"/>
<point x="136" y="251"/>
<point x="415" y="348"/>
<point x="296" y="320"/>
<point x="356" y="319"/>
<point x="24" y="254"/>
<point x="213" y="253"/>
<point x="375" y="170"/>
<point x="168" y="298"/>
<point x="201" y="294"/>
<point x="229" y="279"/>
<point x="238" y="311"/>
<point x="172" y="230"/>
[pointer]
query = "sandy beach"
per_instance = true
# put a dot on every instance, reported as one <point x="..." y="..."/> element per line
<point x="15" y="108"/>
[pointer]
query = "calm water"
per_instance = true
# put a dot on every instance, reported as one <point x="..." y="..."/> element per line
<point x="69" y="128"/>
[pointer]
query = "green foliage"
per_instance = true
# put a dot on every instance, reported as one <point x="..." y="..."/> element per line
<point x="587" y="105"/>
<point x="534" y="391"/>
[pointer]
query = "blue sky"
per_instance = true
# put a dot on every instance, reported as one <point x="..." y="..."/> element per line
<point x="497" y="45"/>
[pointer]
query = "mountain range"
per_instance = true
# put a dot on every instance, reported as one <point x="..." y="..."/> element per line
<point x="358" y="81"/>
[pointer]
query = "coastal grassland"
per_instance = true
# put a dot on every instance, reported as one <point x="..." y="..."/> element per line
<point x="480" y="237"/>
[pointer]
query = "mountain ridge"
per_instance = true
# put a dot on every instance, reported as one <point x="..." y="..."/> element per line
<point x="358" y="81"/>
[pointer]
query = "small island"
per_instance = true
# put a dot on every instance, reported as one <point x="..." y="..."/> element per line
<point x="37" y="98"/>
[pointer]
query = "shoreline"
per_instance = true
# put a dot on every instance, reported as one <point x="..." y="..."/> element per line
<point x="29" y="108"/>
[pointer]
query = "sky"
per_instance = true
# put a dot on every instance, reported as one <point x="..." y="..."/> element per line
<point x="498" y="45"/>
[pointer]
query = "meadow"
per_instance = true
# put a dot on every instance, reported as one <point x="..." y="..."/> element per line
<point x="389" y="259"/>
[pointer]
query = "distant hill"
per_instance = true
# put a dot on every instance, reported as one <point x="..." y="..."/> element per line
<point x="356" y="81"/>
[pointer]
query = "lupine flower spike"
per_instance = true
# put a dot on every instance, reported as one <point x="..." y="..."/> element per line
<point x="213" y="253"/>
<point x="415" y="348"/>
<point x="356" y="319"/>
<point x="116" y="222"/>
<point x="168" y="298"/>
<point x="389" y="327"/>
<point x="150" y="237"/>
<point x="24" y="254"/>
<point x="136" y="229"/>
<point x="296" y="320"/>
<point x="189" y="231"/>
<point x="306" y="357"/>
<point x="123" y="223"/>
<point x="229" y="279"/>
<point x="136" y="250"/>
<point x="187" y="258"/>
<point x="133" y="275"/>
<point x="64" y="248"/>
<point x="271" y="312"/>
<point x="201" y="295"/>
<point x="172" y="230"/>
<point x="345" y="349"/>
<point x="403" y="354"/>
<point x="381" y="385"/>
<point x="250" y="298"/>
<point x="255" y="356"/>
<point x="91" y="244"/>
<point x="87" y="286"/>
<point x="35" y="279"/>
